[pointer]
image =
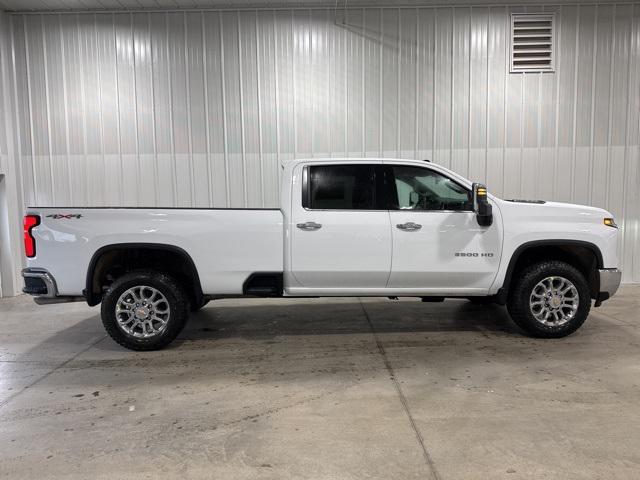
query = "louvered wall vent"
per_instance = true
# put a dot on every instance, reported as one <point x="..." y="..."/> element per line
<point x="532" y="43"/>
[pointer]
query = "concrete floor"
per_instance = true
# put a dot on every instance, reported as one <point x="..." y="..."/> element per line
<point x="321" y="389"/>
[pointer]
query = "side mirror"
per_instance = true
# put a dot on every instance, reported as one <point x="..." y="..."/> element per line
<point x="481" y="205"/>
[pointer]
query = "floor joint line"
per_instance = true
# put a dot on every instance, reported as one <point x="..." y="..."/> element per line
<point x="405" y="405"/>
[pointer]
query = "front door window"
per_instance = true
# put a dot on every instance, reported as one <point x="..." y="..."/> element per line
<point x="424" y="189"/>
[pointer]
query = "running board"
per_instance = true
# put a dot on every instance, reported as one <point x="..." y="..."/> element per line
<point x="51" y="300"/>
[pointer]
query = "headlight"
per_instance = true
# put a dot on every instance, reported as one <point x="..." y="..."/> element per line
<point x="610" y="222"/>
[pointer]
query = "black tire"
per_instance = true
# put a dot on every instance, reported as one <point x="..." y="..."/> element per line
<point x="195" y="308"/>
<point x="521" y="291"/>
<point x="175" y="298"/>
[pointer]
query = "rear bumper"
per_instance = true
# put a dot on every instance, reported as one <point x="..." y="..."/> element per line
<point x="39" y="283"/>
<point x="609" y="283"/>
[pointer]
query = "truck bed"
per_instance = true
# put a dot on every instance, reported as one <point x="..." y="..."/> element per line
<point x="226" y="245"/>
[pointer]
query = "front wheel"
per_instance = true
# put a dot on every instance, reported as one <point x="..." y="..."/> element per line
<point x="549" y="299"/>
<point x="144" y="310"/>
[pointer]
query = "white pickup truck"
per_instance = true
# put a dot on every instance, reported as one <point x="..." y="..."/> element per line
<point x="345" y="227"/>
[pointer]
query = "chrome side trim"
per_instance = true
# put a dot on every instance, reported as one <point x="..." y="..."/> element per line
<point x="46" y="277"/>
<point x="610" y="280"/>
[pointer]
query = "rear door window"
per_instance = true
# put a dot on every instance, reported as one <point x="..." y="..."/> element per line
<point x="340" y="187"/>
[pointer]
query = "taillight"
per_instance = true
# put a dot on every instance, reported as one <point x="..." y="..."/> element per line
<point x="30" y="221"/>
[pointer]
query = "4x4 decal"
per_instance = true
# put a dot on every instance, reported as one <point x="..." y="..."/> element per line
<point x="58" y="216"/>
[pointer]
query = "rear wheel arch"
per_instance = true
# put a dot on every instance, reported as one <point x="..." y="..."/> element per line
<point x="142" y="255"/>
<point x="583" y="255"/>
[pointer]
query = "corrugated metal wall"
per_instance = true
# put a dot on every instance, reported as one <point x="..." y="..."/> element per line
<point x="198" y="108"/>
<point x="10" y="194"/>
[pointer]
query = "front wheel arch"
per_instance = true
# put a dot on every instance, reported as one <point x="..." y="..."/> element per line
<point x="569" y="251"/>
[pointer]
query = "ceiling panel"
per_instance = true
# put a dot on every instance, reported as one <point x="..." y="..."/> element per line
<point x="55" y="5"/>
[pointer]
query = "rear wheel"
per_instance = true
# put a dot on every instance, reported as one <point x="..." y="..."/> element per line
<point x="144" y="310"/>
<point x="549" y="299"/>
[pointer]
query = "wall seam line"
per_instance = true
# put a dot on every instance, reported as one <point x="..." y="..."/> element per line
<point x="66" y="113"/>
<point x="135" y="109"/>
<point x="593" y="103"/>
<point x="189" y="120"/>
<point x="171" y="119"/>
<point x="48" y="110"/>
<point x="100" y="119"/>
<point x="575" y="106"/>
<point x="259" y="100"/>
<point x="154" y="139"/>
<point x="205" y="84"/>
<point x="242" y="127"/>
<point x="224" y="113"/>
<point x="115" y="44"/>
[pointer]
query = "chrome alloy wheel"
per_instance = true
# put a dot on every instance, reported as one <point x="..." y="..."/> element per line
<point x="554" y="301"/>
<point x="142" y="312"/>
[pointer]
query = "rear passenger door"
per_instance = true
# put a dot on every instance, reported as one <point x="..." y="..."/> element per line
<point x="340" y="230"/>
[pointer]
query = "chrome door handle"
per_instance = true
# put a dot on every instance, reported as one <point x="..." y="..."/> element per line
<point x="309" y="226"/>
<point x="409" y="226"/>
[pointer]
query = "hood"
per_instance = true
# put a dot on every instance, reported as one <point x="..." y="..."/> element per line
<point x="541" y="207"/>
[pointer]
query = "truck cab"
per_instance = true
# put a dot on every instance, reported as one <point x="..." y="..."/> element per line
<point x="386" y="228"/>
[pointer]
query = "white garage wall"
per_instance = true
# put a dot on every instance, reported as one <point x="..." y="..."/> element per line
<point x="10" y="192"/>
<point x="198" y="108"/>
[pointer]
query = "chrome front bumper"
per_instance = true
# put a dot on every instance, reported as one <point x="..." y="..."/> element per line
<point x="609" y="282"/>
<point x="39" y="283"/>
